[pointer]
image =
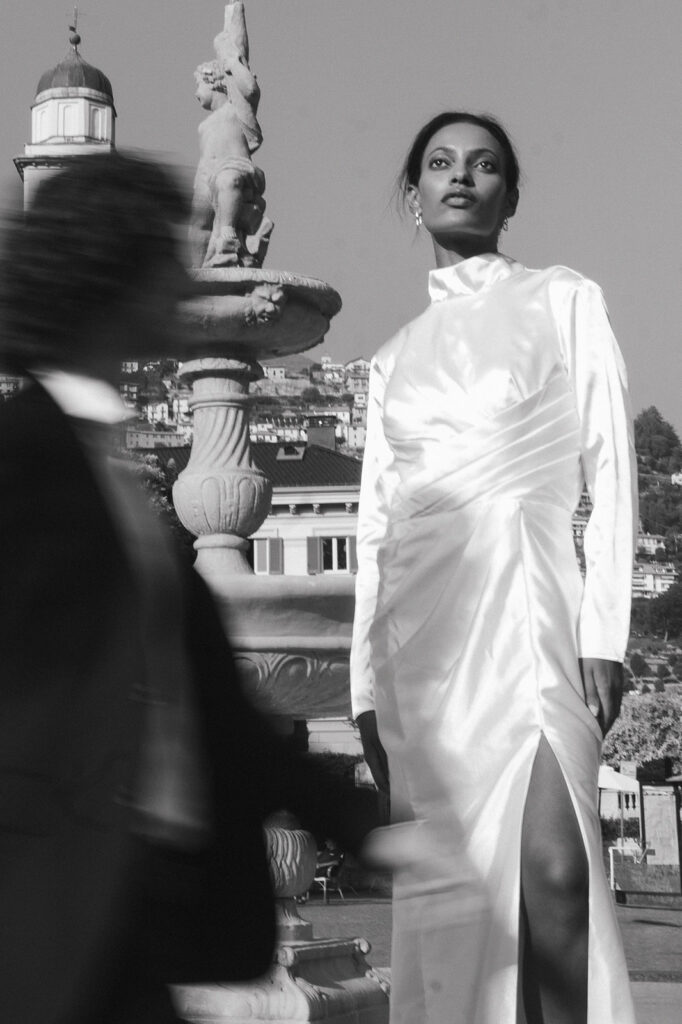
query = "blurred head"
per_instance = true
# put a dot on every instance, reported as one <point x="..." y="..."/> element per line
<point x="462" y="174"/>
<point x="93" y="263"/>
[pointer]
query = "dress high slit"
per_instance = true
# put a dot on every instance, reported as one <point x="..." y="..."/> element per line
<point x="487" y="416"/>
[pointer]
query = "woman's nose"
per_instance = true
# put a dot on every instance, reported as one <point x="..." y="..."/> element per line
<point x="460" y="173"/>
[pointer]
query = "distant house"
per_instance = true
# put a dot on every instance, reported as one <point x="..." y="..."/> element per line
<point x="649" y="579"/>
<point x="357" y="376"/>
<point x="139" y="437"/>
<point x="359" y="366"/>
<point x="275" y="373"/>
<point x="649" y="543"/>
<point x="357" y="437"/>
<point x="9" y="385"/>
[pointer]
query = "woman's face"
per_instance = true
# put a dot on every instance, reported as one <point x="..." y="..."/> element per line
<point x="462" y="191"/>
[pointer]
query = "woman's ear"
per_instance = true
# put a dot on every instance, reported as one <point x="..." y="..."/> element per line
<point x="512" y="202"/>
<point x="413" y="199"/>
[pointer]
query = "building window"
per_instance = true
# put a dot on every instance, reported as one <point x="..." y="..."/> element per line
<point x="42" y="124"/>
<point x="332" y="555"/>
<point x="96" y="122"/>
<point x="268" y="556"/>
<point x="69" y="119"/>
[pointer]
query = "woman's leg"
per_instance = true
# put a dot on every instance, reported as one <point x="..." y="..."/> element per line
<point x="554" y="912"/>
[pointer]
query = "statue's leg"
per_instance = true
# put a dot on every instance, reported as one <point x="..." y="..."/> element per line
<point x="257" y="243"/>
<point x="200" y="225"/>
<point x="225" y="246"/>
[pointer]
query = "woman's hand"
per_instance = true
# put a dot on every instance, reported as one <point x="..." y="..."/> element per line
<point x="375" y="755"/>
<point x="603" y="684"/>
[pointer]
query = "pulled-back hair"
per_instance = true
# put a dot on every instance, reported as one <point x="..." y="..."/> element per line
<point x="411" y="170"/>
<point x="90" y="235"/>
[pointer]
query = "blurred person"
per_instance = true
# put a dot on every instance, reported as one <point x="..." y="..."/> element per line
<point x="134" y="775"/>
<point x="484" y="671"/>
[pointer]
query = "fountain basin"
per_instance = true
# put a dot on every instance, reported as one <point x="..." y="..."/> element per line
<point x="214" y="317"/>
<point x="291" y="636"/>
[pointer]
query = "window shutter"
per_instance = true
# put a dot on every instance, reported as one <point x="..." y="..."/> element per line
<point x="276" y="550"/>
<point x="260" y="555"/>
<point x="352" y="555"/>
<point x="314" y="555"/>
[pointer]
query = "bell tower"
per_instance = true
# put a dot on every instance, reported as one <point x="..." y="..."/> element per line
<point x="72" y="116"/>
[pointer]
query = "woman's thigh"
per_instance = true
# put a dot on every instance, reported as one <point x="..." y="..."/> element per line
<point x="554" y="863"/>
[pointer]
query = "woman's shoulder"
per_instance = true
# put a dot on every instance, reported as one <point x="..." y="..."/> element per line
<point x="384" y="358"/>
<point x="564" y="279"/>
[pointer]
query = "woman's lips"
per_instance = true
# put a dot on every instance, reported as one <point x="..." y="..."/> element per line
<point x="458" y="199"/>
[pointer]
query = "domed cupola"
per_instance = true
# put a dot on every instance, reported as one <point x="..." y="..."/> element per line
<point x="74" y="103"/>
<point x="75" y="73"/>
<point x="72" y="116"/>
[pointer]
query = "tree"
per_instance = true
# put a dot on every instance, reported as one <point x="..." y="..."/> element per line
<point x="311" y="395"/>
<point x="656" y="440"/>
<point x="666" y="612"/>
<point x="638" y="666"/>
<point x="661" y="509"/>
<point x="649" y="727"/>
<point x="641" y="616"/>
<point x="158" y="485"/>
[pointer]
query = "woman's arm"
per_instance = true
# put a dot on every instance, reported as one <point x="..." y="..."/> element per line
<point x="610" y="470"/>
<point x="378" y="481"/>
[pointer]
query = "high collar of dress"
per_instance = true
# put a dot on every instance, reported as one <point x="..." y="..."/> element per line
<point x="470" y="276"/>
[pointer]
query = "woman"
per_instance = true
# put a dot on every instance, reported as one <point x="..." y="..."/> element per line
<point x="484" y="672"/>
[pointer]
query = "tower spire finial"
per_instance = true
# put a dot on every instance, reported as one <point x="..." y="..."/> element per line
<point x="74" y="38"/>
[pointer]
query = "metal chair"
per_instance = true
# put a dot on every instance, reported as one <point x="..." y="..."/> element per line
<point x="327" y="871"/>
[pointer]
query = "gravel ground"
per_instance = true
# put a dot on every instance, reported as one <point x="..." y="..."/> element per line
<point x="652" y="936"/>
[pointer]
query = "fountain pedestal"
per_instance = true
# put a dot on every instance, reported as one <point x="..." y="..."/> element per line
<point x="291" y="638"/>
<point x="241" y="313"/>
<point x="310" y="979"/>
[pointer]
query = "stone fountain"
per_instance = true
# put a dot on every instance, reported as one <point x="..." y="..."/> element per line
<point x="291" y="634"/>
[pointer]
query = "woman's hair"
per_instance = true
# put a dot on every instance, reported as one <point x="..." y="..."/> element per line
<point x="411" y="170"/>
<point x="88" y="239"/>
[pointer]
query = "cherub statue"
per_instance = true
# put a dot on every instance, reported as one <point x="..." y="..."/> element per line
<point x="228" y="227"/>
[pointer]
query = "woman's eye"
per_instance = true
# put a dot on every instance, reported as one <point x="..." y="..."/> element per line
<point x="437" y="162"/>
<point x="487" y="165"/>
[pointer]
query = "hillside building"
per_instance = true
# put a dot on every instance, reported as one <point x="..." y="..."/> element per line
<point x="649" y="579"/>
<point x="649" y="543"/>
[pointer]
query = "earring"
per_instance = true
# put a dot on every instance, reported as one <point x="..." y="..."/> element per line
<point x="505" y="224"/>
<point x="418" y="217"/>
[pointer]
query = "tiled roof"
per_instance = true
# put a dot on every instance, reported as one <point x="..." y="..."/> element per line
<point x="319" y="466"/>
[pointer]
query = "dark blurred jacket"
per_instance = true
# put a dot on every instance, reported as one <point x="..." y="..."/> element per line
<point x="74" y="879"/>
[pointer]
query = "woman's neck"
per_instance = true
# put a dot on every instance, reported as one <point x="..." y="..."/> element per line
<point x="449" y="253"/>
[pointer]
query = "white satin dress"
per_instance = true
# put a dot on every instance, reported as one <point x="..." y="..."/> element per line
<point x="487" y="414"/>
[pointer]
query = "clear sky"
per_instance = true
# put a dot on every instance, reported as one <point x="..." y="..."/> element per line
<point x="589" y="89"/>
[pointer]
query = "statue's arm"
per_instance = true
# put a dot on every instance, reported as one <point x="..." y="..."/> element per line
<point x="243" y="78"/>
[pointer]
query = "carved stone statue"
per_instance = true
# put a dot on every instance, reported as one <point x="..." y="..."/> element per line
<point x="228" y="226"/>
<point x="238" y="312"/>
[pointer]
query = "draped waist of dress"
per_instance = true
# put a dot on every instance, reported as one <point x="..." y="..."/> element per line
<point x="525" y="453"/>
<point x="478" y="566"/>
